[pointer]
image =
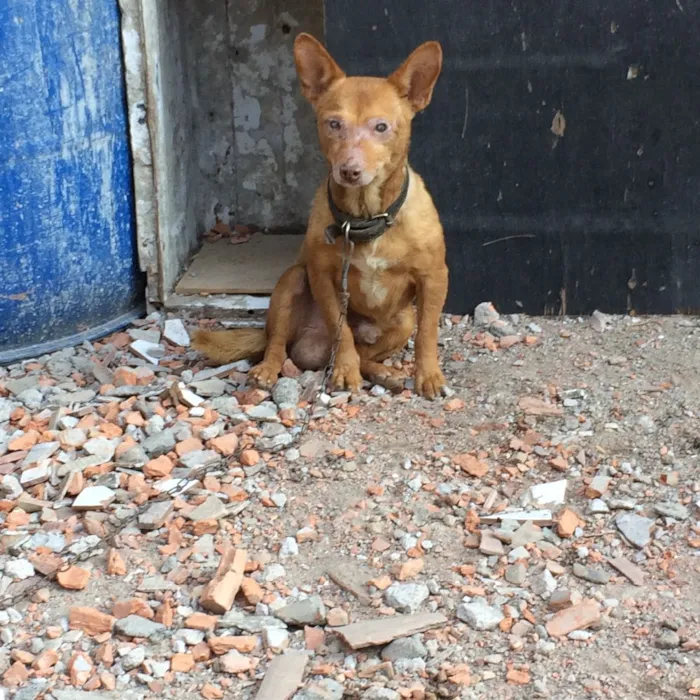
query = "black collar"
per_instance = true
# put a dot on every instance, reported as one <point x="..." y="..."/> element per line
<point x="364" y="230"/>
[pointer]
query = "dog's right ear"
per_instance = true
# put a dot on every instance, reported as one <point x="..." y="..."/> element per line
<point x="316" y="68"/>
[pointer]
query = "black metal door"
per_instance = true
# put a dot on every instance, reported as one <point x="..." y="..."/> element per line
<point x="562" y="146"/>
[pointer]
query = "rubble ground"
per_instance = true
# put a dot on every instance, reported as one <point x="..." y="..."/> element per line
<point x="168" y="531"/>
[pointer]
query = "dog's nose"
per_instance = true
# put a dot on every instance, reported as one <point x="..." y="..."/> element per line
<point x="350" y="173"/>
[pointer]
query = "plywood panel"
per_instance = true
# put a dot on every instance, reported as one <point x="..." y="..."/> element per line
<point x="247" y="268"/>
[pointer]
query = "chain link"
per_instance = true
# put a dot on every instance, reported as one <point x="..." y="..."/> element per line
<point x="348" y="249"/>
<point x="112" y="540"/>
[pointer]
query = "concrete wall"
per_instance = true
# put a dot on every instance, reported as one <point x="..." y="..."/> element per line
<point x="218" y="126"/>
<point x="279" y="165"/>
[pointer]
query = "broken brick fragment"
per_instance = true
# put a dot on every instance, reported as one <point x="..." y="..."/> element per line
<point x="73" y="578"/>
<point x="116" y="565"/>
<point x="220" y="592"/>
<point x="90" y="621"/>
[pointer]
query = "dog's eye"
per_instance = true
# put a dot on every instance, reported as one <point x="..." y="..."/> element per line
<point x="381" y="127"/>
<point x="334" y="124"/>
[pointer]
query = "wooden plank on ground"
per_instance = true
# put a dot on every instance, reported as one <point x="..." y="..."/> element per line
<point x="247" y="268"/>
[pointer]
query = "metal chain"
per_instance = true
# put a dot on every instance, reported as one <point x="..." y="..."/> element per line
<point x="348" y="249"/>
<point x="111" y="540"/>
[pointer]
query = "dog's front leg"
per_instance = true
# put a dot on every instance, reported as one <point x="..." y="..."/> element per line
<point x="346" y="373"/>
<point x="431" y="293"/>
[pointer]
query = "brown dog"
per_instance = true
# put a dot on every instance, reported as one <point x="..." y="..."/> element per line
<point x="364" y="126"/>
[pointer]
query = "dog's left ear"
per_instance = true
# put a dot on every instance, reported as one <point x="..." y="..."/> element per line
<point x="416" y="77"/>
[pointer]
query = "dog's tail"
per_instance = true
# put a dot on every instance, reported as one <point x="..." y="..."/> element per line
<point x="231" y="346"/>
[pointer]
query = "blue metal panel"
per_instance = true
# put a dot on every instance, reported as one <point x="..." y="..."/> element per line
<point x="67" y="234"/>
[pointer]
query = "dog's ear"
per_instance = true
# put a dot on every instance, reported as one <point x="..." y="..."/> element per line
<point x="316" y="68"/>
<point x="416" y="77"/>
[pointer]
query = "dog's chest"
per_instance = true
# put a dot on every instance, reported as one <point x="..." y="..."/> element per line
<point x="371" y="267"/>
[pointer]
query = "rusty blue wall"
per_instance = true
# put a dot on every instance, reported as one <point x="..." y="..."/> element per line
<point x="67" y="239"/>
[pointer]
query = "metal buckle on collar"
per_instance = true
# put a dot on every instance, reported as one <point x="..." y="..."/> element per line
<point x="387" y="217"/>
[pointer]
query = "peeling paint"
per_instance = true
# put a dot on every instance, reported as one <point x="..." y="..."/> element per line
<point x="144" y="186"/>
<point x="558" y="124"/>
<point x="257" y="34"/>
<point x="68" y="253"/>
<point x="278" y="162"/>
<point x="218" y="127"/>
<point x="247" y="115"/>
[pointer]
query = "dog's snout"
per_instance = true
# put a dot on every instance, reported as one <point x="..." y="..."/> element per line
<point x="350" y="173"/>
<point x="350" y="168"/>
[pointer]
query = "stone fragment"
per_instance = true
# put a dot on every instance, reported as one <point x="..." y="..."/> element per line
<point x="154" y="517"/>
<point x="479" y="615"/>
<point x="35" y="475"/>
<point x="367" y="633"/>
<point x="668" y="639"/>
<point x="635" y="528"/>
<point x="94" y="498"/>
<point x="151" y="352"/>
<point x="562" y="599"/>
<point x="669" y="509"/>
<point x="591" y="575"/>
<point x="490" y="545"/>
<point x="140" y="627"/>
<point x="19" y="569"/>
<point x="310" y="611"/>
<point x="242" y="643"/>
<point x="552" y="493"/>
<point x="406" y="597"/>
<point x="544" y="584"/>
<point x="516" y="574"/>
<point x="174" y="332"/>
<point x="283" y="676"/>
<point x="404" y="648"/>
<point x="235" y="662"/>
<point x="212" y="509"/>
<point x="39" y="453"/>
<point x="598" y="486"/>
<point x="286" y="392"/>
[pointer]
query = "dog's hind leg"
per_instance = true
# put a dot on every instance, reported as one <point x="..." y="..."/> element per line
<point x="392" y="339"/>
<point x="285" y="314"/>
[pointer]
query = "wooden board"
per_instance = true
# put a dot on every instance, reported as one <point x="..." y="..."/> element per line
<point x="247" y="268"/>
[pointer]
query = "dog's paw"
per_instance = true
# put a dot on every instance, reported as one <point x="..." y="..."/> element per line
<point x="429" y="382"/>
<point x="346" y="375"/>
<point x="392" y="379"/>
<point x="265" y="374"/>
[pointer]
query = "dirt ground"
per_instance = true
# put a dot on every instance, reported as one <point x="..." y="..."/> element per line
<point x="401" y="496"/>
